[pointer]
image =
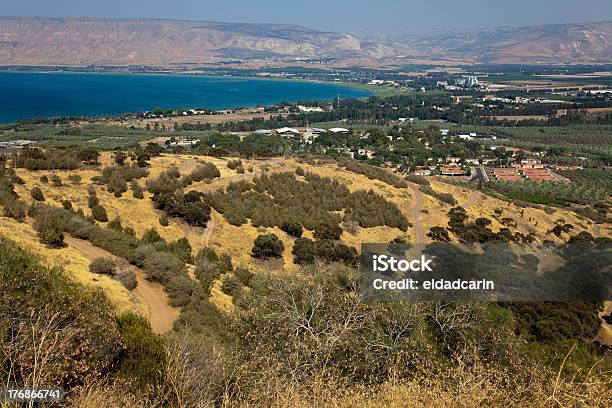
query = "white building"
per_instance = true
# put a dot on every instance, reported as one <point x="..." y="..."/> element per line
<point x="310" y="109"/>
<point x="338" y="130"/>
<point x="287" y="130"/>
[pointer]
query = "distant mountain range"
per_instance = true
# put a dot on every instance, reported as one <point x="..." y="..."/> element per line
<point x="553" y="43"/>
<point x="92" y="41"/>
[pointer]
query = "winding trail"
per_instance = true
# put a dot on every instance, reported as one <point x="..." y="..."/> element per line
<point x="415" y="212"/>
<point x="161" y="314"/>
<point x="472" y="199"/>
<point x="605" y="333"/>
<point x="209" y="227"/>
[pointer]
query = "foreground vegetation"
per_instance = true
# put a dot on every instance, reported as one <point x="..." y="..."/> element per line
<point x="301" y="340"/>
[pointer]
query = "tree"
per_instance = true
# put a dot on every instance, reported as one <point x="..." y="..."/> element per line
<point x="151" y="236"/>
<point x="49" y="228"/>
<point x="37" y="194"/>
<point x="99" y="213"/>
<point x="142" y="159"/>
<point x="292" y="228"/>
<point x="267" y="246"/>
<point x="438" y="234"/>
<point x="120" y="157"/>
<point x="117" y="184"/>
<point x="583" y="237"/>
<point x="304" y="251"/>
<point x="136" y="190"/>
<point x="328" y="230"/>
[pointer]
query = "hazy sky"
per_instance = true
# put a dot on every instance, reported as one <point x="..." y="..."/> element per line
<point x="332" y="15"/>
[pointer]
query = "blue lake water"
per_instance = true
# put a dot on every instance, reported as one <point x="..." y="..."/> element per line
<point x="29" y="95"/>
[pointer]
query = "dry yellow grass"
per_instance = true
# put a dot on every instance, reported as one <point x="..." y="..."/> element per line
<point x="73" y="262"/>
<point x="237" y="241"/>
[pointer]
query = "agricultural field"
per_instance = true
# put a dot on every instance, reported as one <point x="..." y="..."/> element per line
<point x="94" y="136"/>
<point x="598" y="135"/>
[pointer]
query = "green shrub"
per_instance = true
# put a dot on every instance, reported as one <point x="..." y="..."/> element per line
<point x="83" y="340"/>
<point x="103" y="266"/>
<point x="420" y="180"/>
<point x="128" y="279"/>
<point x="151" y="236"/>
<point x="56" y="180"/>
<point x="267" y="246"/>
<point x="142" y="361"/>
<point x="161" y="266"/>
<point x="207" y="272"/>
<point x="231" y="286"/>
<point x="37" y="194"/>
<point x="115" y="224"/>
<point x="181" y="248"/>
<point x="292" y="228"/>
<point x="327" y="231"/>
<point x="99" y="213"/>
<point x="163" y="220"/>
<point x="74" y="178"/>
<point x="244" y="275"/>
<point x="180" y="289"/>
<point x="67" y="205"/>
<point x="136" y="190"/>
<point x="49" y="228"/>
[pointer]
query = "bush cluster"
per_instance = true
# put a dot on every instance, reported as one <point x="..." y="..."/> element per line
<point x="65" y="158"/>
<point x="444" y="197"/>
<point x="116" y="178"/>
<point x="282" y="200"/>
<point x="373" y="173"/>
<point x="168" y="196"/>
<point x="306" y="251"/>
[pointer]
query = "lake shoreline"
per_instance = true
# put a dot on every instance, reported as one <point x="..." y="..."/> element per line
<point x="131" y="93"/>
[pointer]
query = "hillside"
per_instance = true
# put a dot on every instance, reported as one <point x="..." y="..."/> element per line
<point x="108" y="42"/>
<point x="223" y="235"/>
<point x="558" y="43"/>
<point x="181" y="245"/>
<point x="44" y="41"/>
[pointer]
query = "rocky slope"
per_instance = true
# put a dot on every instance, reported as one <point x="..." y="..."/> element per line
<point x="88" y="41"/>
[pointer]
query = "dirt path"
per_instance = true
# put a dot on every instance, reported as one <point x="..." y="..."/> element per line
<point x="161" y="314"/>
<point x="209" y="227"/>
<point x="415" y="212"/>
<point x="474" y="196"/>
<point x="605" y="333"/>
